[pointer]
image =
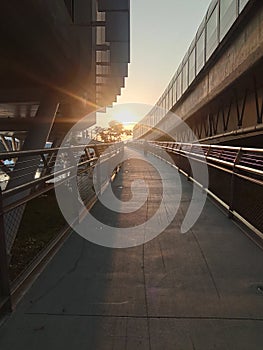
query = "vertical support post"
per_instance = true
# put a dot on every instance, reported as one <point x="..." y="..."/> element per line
<point x="5" y="295"/>
<point x="36" y="138"/>
<point x="13" y="143"/>
<point x="232" y="186"/>
<point x="73" y="187"/>
<point x="258" y="108"/>
<point x="97" y="171"/>
<point x="5" y="144"/>
<point x="240" y="114"/>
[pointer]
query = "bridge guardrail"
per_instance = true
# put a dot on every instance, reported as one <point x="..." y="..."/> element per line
<point x="34" y="176"/>
<point x="235" y="177"/>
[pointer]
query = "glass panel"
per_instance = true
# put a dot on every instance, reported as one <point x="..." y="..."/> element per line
<point x="100" y="80"/>
<point x="102" y="56"/>
<point x="106" y="69"/>
<point x="185" y="77"/>
<point x="242" y="4"/>
<point x="99" y="70"/>
<point x="191" y="66"/>
<point x="100" y="35"/>
<point x="159" y="115"/>
<point x="174" y="92"/>
<point x="163" y="103"/>
<point x="101" y="16"/>
<point x="151" y="120"/>
<point x="155" y="116"/>
<point x="98" y="56"/>
<point x="162" y="113"/>
<point x="200" y="52"/>
<point x="166" y="101"/>
<point x="170" y="98"/>
<point x="228" y="15"/>
<point x="212" y="33"/>
<point x="179" y="86"/>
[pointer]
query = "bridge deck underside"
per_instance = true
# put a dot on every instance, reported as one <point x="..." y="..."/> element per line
<point x="198" y="290"/>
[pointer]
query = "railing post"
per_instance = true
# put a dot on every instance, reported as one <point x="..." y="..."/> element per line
<point x="207" y="154"/>
<point x="232" y="186"/>
<point x="97" y="153"/>
<point x="97" y="185"/>
<point x="73" y="187"/>
<point x="5" y="295"/>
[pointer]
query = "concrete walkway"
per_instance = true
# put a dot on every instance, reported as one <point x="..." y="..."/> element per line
<point x="193" y="291"/>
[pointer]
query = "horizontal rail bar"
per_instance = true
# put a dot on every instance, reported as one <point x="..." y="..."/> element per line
<point x="227" y="162"/>
<point x="15" y="154"/>
<point x="228" y="159"/>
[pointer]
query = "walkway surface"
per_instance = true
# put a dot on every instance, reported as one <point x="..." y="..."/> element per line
<point x="196" y="291"/>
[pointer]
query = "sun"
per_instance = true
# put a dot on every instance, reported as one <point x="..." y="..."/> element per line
<point x="125" y="116"/>
<point x="128" y="114"/>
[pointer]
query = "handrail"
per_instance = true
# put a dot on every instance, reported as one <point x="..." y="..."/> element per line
<point x="65" y="174"/>
<point x="229" y="159"/>
<point x="77" y="164"/>
<point x="15" y="154"/>
<point x="235" y="177"/>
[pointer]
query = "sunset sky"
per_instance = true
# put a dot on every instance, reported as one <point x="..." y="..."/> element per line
<point x="161" y="32"/>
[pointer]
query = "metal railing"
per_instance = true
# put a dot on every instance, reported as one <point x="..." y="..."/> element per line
<point x="29" y="175"/>
<point x="235" y="177"/>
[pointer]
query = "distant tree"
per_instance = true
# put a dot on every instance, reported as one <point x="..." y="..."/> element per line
<point x="114" y="132"/>
<point x="96" y="132"/>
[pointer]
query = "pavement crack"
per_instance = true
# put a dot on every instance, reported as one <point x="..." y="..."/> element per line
<point x="151" y="317"/>
<point x="145" y="297"/>
<point x="207" y="265"/>
<point x="161" y="251"/>
<point x="192" y="342"/>
<point x="61" y="278"/>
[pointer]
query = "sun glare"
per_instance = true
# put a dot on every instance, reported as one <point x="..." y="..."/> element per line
<point x="126" y="116"/>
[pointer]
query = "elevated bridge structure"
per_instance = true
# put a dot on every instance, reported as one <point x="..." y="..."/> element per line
<point x="217" y="89"/>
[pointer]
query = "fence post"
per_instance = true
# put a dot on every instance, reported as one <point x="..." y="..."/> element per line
<point x="97" y="185"/>
<point x="73" y="186"/>
<point x="232" y="187"/>
<point x="5" y="295"/>
<point x="207" y="154"/>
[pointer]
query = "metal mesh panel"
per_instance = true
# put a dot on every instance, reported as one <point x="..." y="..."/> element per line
<point x="185" y="165"/>
<point x="182" y="163"/>
<point x="220" y="183"/>
<point x="85" y="186"/>
<point x="12" y="221"/>
<point x="248" y="201"/>
<point x="243" y="195"/>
